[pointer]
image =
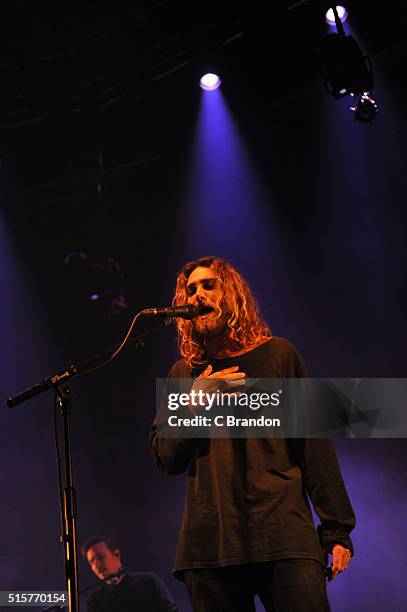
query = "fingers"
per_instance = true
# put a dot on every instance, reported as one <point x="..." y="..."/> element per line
<point x="228" y="374"/>
<point x="206" y="372"/>
<point x="230" y="377"/>
<point x="340" y="559"/>
<point x="227" y="371"/>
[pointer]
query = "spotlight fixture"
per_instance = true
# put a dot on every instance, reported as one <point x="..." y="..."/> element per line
<point x="210" y="81"/>
<point x="330" y="15"/>
<point x="365" y="109"/>
<point x="346" y="69"/>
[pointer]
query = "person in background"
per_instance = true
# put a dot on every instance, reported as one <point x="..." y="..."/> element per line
<point x="122" y="591"/>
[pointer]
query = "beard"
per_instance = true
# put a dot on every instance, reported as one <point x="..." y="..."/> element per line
<point x="212" y="324"/>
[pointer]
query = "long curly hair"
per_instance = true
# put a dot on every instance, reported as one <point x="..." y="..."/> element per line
<point x="244" y="326"/>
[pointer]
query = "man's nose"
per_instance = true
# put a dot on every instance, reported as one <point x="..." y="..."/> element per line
<point x="200" y="291"/>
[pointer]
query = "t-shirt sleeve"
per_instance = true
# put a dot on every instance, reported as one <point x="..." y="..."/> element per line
<point x="291" y="364"/>
<point x="326" y="489"/>
<point x="321" y="474"/>
<point x="172" y="454"/>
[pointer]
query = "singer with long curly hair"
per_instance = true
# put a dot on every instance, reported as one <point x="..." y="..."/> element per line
<point x="247" y="528"/>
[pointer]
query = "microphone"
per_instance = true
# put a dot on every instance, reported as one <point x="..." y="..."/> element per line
<point x="185" y="311"/>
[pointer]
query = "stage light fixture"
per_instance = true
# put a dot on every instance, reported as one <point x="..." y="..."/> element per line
<point x="330" y="15"/>
<point x="346" y="70"/>
<point x="365" y="108"/>
<point x="210" y="81"/>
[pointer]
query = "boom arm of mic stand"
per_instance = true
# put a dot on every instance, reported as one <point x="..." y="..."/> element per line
<point x="80" y="369"/>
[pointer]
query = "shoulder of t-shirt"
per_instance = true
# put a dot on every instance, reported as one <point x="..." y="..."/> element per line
<point x="179" y="369"/>
<point x="281" y="344"/>
<point x="289" y="355"/>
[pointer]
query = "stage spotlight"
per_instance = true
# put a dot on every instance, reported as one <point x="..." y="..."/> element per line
<point x="365" y="109"/>
<point x="346" y="69"/>
<point x="330" y="15"/>
<point x="210" y="81"/>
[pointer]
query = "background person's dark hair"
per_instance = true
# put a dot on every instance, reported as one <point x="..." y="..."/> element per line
<point x="110" y="542"/>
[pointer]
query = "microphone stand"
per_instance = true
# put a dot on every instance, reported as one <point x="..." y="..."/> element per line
<point x="59" y="382"/>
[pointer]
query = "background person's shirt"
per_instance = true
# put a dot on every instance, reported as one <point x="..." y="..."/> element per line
<point x="136" y="592"/>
